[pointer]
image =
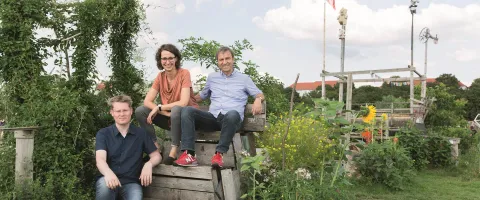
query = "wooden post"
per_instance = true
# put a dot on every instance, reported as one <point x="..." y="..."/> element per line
<point x="24" y="152"/>
<point x="349" y="96"/>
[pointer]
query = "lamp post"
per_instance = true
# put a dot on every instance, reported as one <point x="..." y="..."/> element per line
<point x="413" y="10"/>
<point x="424" y="36"/>
<point x="342" y="19"/>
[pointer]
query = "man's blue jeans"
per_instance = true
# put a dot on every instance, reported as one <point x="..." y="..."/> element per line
<point x="130" y="191"/>
<point x="195" y="119"/>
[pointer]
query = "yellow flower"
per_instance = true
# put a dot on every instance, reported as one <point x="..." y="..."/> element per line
<point x="371" y="114"/>
<point x="384" y="117"/>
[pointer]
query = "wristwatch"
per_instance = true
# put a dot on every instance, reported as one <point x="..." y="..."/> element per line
<point x="160" y="107"/>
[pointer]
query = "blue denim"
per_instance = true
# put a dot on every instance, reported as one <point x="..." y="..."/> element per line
<point x="130" y="191"/>
<point x="195" y="119"/>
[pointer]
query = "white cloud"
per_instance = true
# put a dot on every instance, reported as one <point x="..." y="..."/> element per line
<point x="198" y="2"/>
<point x="180" y="8"/>
<point x="465" y="55"/>
<point x="303" y="20"/>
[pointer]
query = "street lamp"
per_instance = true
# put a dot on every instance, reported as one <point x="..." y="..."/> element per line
<point x="424" y="36"/>
<point x="413" y="10"/>
<point x="342" y="19"/>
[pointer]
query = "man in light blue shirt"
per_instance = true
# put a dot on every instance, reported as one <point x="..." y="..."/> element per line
<point x="228" y="91"/>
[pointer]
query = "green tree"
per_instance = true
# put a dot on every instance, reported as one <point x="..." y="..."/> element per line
<point x="446" y="110"/>
<point x="452" y="83"/>
<point x="67" y="109"/>
<point x="367" y="94"/>
<point x="472" y="107"/>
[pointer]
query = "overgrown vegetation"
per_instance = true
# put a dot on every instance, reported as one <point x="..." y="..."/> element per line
<point x="64" y="106"/>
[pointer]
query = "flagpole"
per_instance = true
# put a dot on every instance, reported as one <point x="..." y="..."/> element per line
<point x="323" y="70"/>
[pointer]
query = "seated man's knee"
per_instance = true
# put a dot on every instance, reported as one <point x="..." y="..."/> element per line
<point x="232" y="116"/>
<point x="141" y="111"/>
<point x="176" y="112"/>
<point x="102" y="191"/>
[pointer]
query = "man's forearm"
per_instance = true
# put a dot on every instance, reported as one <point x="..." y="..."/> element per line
<point x="155" y="160"/>
<point x="260" y="97"/>
<point x="103" y="168"/>
<point x="198" y="99"/>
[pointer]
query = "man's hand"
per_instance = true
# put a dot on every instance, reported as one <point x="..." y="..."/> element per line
<point x="112" y="181"/>
<point x="146" y="175"/>
<point x="257" y="106"/>
<point x="152" y="115"/>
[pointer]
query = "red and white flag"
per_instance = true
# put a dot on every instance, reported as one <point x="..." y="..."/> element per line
<point x="332" y="2"/>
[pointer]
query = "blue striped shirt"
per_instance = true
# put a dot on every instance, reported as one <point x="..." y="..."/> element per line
<point x="228" y="92"/>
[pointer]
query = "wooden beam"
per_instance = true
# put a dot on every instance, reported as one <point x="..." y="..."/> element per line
<point x="368" y="71"/>
<point x="382" y="80"/>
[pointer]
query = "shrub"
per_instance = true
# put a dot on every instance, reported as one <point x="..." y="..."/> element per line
<point x="307" y="145"/>
<point x="416" y="147"/>
<point x="467" y="140"/>
<point x="298" y="184"/>
<point x="433" y="151"/>
<point x="385" y="163"/>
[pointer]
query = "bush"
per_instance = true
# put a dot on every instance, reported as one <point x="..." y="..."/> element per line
<point x="433" y="151"/>
<point x="469" y="163"/>
<point x="63" y="157"/>
<point x="295" y="185"/>
<point x="467" y="140"/>
<point x="416" y="147"/>
<point x="385" y="163"/>
<point x="307" y="145"/>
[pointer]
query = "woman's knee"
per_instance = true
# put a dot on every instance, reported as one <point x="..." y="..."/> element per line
<point x="141" y="111"/>
<point x="187" y="111"/>
<point x="176" y="112"/>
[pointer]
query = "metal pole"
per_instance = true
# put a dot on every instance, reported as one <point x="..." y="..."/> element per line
<point x="424" y="82"/>
<point x="323" y="77"/>
<point x="342" y="63"/>
<point x="411" y="72"/>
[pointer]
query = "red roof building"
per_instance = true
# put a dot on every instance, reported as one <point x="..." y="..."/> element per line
<point x="303" y="87"/>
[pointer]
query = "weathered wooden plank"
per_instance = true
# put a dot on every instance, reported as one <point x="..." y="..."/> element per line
<point x="236" y="182"/>
<point x="229" y="186"/>
<point x="200" y="172"/>
<point x="217" y="186"/>
<point x="237" y="149"/>
<point x="253" y="124"/>
<point x="182" y="183"/>
<point x="158" y="193"/>
<point x="204" y="152"/>
<point x="251" y="144"/>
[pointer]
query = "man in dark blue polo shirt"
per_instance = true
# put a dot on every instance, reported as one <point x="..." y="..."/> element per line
<point x="119" y="152"/>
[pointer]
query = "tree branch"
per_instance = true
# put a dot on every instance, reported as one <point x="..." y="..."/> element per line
<point x="289" y="120"/>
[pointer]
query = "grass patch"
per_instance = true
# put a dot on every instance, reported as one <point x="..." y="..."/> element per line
<point x="431" y="184"/>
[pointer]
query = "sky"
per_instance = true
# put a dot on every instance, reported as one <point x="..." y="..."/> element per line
<point x="287" y="35"/>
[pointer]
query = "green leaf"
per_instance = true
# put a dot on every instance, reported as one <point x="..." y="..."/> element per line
<point x="245" y="168"/>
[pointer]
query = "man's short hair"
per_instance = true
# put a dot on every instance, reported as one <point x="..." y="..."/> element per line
<point x="224" y="49"/>
<point x="120" y="99"/>
<point x="172" y="49"/>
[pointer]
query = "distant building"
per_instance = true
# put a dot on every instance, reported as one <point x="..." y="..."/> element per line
<point x="306" y="87"/>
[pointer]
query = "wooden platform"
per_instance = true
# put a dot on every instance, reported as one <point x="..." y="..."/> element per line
<point x="203" y="182"/>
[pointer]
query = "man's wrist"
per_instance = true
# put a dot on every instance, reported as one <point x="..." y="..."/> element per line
<point x="159" y="107"/>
